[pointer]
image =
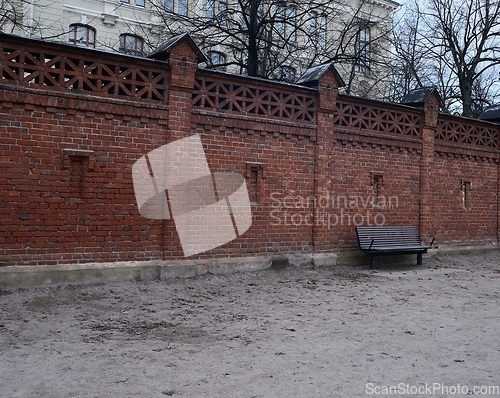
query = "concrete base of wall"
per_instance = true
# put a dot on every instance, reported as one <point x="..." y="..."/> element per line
<point x="91" y="273"/>
<point x="324" y="259"/>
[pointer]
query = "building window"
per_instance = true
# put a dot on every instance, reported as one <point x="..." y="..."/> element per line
<point x="217" y="10"/>
<point x="362" y="48"/>
<point x="183" y="7"/>
<point x="218" y="60"/>
<point x="292" y="24"/>
<point x="131" y="44"/>
<point x="280" y="26"/>
<point x="223" y="12"/>
<point x="322" y="31"/>
<point x="317" y="29"/>
<point x="286" y="23"/>
<point x="82" y="35"/>
<point x="313" y="24"/>
<point x="210" y="9"/>
<point x="139" y="3"/>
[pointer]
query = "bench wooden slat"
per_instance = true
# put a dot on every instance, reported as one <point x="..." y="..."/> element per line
<point x="399" y="247"/>
<point x="386" y="240"/>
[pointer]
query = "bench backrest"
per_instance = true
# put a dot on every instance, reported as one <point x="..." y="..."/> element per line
<point x="387" y="236"/>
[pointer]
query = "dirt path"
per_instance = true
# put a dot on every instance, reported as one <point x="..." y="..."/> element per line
<point x="291" y="332"/>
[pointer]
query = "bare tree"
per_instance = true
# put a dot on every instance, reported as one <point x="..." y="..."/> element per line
<point x="273" y="38"/>
<point x="454" y="46"/>
<point x="408" y="57"/>
<point x="11" y="15"/>
<point x="257" y="35"/>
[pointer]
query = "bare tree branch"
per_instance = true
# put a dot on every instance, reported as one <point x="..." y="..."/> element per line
<point x="459" y="45"/>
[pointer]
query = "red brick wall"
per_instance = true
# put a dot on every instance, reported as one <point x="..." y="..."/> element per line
<point x="356" y="171"/>
<point x="45" y="219"/>
<point x="475" y="221"/>
<point x="313" y="160"/>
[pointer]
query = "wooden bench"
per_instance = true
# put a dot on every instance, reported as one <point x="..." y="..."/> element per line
<point x="390" y="240"/>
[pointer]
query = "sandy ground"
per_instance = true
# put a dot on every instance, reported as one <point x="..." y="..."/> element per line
<point x="290" y="332"/>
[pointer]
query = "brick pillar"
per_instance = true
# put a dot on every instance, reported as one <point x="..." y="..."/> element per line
<point x="328" y="85"/>
<point x="427" y="227"/>
<point x="183" y="61"/>
<point x="183" y="57"/>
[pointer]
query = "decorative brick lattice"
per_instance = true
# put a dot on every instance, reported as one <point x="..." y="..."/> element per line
<point x="466" y="134"/>
<point x="355" y="116"/>
<point x="253" y="100"/>
<point x="81" y="73"/>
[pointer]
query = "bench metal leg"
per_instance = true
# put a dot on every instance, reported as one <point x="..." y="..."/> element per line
<point x="372" y="262"/>
<point x="419" y="259"/>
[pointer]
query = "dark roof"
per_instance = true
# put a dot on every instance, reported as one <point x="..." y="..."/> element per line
<point x="491" y="114"/>
<point x="312" y="75"/>
<point x="420" y="96"/>
<point x="163" y="52"/>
